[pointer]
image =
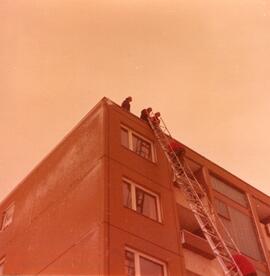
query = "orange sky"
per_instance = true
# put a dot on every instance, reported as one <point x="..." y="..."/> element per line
<point x="204" y="64"/>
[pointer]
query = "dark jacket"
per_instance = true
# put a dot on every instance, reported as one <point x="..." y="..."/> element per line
<point x="126" y="105"/>
<point x="144" y="115"/>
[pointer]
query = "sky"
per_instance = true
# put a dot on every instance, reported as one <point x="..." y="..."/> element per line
<point x="204" y="64"/>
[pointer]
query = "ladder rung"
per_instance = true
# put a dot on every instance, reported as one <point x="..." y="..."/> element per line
<point x="193" y="191"/>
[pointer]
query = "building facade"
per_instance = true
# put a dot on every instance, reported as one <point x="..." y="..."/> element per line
<point x="104" y="202"/>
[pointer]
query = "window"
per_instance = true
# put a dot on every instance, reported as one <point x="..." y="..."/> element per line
<point x="141" y="200"/>
<point x="229" y="191"/>
<point x="137" y="143"/>
<point x="222" y="208"/>
<point x="241" y="228"/>
<point x="2" y="266"/>
<point x="137" y="264"/>
<point x="7" y="216"/>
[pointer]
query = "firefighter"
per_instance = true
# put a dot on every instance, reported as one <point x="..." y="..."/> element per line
<point x="126" y="103"/>
<point x="145" y="113"/>
<point x="155" y="119"/>
<point x="244" y="265"/>
<point x="177" y="148"/>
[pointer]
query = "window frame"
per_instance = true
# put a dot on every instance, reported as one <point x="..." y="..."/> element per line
<point x="130" y="133"/>
<point x="245" y="212"/>
<point x="137" y="256"/>
<point x="133" y="187"/>
<point x="4" y="222"/>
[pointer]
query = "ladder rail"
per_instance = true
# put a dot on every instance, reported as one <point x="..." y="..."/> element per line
<point x="188" y="183"/>
<point x="217" y="218"/>
<point x="207" y="198"/>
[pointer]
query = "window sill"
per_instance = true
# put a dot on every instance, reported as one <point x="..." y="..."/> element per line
<point x="144" y="216"/>
<point x="136" y="154"/>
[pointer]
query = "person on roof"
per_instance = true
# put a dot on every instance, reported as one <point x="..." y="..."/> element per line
<point x="244" y="265"/>
<point x="177" y="148"/>
<point x="155" y="119"/>
<point x="126" y="103"/>
<point x="145" y="113"/>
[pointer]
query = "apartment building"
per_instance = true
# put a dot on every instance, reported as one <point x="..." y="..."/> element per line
<point x="104" y="202"/>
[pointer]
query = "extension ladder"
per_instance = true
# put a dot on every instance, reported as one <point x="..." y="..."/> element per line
<point x="209" y="222"/>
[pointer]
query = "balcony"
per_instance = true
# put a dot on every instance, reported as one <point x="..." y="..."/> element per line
<point x="196" y="244"/>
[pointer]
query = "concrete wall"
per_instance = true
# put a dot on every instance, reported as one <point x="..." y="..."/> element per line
<point x="200" y="265"/>
<point x="159" y="171"/>
<point x="69" y="214"/>
<point x="60" y="208"/>
<point x="127" y="227"/>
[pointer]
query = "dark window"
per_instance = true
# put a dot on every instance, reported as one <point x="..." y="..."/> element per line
<point x="141" y="200"/>
<point x="141" y="147"/>
<point x="146" y="204"/>
<point x="137" y="264"/>
<point x="124" y="138"/>
<point x="127" y="194"/>
<point x="129" y="263"/>
<point x="150" y="268"/>
<point x="137" y="143"/>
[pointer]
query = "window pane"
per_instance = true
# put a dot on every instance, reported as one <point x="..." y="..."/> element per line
<point x="127" y="194"/>
<point x="124" y="138"/>
<point x="141" y="147"/>
<point x="228" y="226"/>
<point x="243" y="232"/>
<point x="229" y="191"/>
<point x="146" y="204"/>
<point x="129" y="263"/>
<point x="150" y="268"/>
<point x="222" y="208"/>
